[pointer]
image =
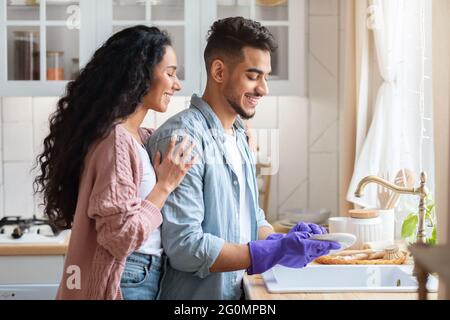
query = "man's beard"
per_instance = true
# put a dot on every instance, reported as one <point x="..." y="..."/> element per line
<point x="240" y="110"/>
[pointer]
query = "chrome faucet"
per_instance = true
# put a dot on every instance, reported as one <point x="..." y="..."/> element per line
<point x="421" y="191"/>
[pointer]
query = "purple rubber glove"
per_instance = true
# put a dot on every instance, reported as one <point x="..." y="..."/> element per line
<point x="278" y="236"/>
<point x="307" y="228"/>
<point x="293" y="250"/>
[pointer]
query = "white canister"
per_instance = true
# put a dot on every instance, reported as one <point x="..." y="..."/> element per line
<point x="366" y="225"/>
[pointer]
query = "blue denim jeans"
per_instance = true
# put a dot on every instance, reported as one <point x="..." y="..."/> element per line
<point x="141" y="277"/>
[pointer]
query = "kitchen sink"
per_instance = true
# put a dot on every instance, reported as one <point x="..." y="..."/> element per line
<point x="344" y="278"/>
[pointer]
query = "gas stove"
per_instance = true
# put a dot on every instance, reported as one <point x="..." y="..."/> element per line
<point x="15" y="229"/>
<point x="26" y="276"/>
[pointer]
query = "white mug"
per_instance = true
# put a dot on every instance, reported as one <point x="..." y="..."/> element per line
<point x="338" y="224"/>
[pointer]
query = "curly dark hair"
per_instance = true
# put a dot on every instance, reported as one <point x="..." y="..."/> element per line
<point x="108" y="89"/>
<point x="230" y="35"/>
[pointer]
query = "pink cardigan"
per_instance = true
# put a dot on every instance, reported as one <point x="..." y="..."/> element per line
<point x="110" y="222"/>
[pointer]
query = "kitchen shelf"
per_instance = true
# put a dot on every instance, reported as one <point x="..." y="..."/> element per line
<point x="28" y="59"/>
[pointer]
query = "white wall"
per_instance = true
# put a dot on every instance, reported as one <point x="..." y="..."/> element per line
<point x="23" y="127"/>
<point x="323" y="83"/>
<point x="281" y="124"/>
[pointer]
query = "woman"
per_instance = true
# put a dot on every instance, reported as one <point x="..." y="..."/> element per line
<point x="96" y="177"/>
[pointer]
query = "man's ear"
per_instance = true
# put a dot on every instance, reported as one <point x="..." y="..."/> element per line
<point x="217" y="70"/>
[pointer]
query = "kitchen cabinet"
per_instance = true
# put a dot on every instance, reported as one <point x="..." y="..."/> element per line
<point x="286" y="21"/>
<point x="69" y="32"/>
<point x="41" y="47"/>
<point x="32" y="270"/>
<point x="180" y="18"/>
<point x="29" y="277"/>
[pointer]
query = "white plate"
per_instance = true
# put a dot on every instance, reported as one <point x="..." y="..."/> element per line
<point x="346" y="240"/>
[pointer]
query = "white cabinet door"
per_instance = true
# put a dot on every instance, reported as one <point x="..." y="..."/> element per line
<point x="180" y="18"/>
<point x="28" y="270"/>
<point x="42" y="45"/>
<point x="70" y="38"/>
<point x="285" y="19"/>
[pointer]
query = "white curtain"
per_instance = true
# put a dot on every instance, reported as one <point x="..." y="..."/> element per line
<point x="399" y="127"/>
<point x="363" y="113"/>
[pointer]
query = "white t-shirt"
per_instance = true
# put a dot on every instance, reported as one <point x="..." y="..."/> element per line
<point x="152" y="245"/>
<point x="245" y="229"/>
<point x="244" y="204"/>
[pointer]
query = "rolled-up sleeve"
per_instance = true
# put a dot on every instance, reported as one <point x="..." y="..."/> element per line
<point x="188" y="248"/>
<point x="261" y="219"/>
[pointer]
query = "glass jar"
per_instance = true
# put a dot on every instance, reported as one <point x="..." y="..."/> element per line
<point x="75" y="68"/>
<point x="55" y="69"/>
<point x="26" y="55"/>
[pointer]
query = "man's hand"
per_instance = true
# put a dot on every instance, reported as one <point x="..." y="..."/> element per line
<point x="292" y="250"/>
<point x="311" y="228"/>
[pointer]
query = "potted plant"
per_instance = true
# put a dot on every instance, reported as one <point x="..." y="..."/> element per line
<point x="410" y="224"/>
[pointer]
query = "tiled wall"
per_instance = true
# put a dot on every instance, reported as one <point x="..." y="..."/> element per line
<point x="24" y="125"/>
<point x="308" y="176"/>
<point x="282" y="127"/>
<point x="323" y="82"/>
<point x="23" y="128"/>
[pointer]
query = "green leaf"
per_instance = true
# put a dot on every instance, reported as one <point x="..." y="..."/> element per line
<point x="409" y="225"/>
<point x="432" y="240"/>
<point x="429" y="217"/>
<point x="434" y="236"/>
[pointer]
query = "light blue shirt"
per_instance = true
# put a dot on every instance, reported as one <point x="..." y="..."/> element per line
<point x="203" y="212"/>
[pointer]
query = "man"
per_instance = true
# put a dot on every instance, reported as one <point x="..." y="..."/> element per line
<point x="212" y="221"/>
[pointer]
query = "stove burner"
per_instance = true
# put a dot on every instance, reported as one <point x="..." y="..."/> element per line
<point x="17" y="233"/>
<point x="24" y="225"/>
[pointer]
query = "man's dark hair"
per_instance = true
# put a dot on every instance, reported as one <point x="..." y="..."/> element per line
<point x="227" y="37"/>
